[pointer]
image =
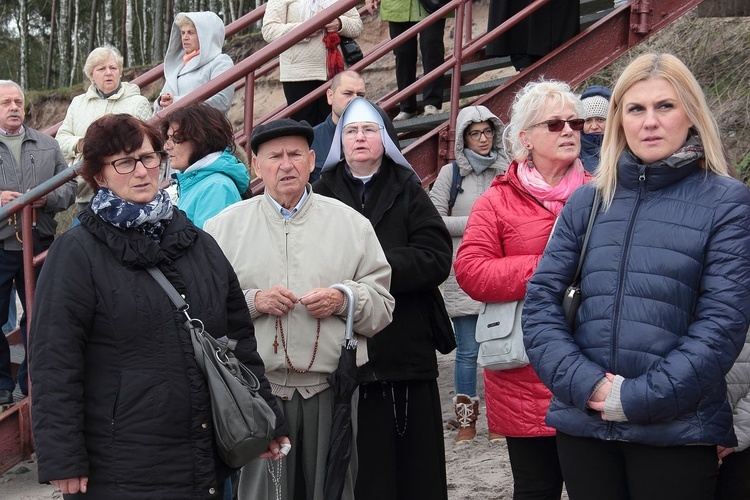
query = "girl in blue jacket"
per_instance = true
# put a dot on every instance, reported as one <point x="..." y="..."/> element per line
<point x="639" y="398"/>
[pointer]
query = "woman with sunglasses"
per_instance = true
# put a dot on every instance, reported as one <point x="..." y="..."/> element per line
<point x="479" y="158"/>
<point x="640" y="400"/>
<point x="121" y="410"/>
<point x="505" y="236"/>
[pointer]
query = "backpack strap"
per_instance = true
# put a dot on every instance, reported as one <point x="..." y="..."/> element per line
<point x="455" y="187"/>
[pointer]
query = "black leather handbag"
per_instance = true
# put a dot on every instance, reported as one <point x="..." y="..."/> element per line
<point x="572" y="298"/>
<point x="243" y="421"/>
<point x="350" y="50"/>
<point x="433" y="5"/>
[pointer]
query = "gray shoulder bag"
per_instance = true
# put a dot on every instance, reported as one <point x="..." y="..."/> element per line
<point x="243" y="421"/>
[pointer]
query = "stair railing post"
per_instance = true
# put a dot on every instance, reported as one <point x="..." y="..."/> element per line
<point x="448" y="153"/>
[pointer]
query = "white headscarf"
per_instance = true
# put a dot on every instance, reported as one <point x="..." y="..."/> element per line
<point x="362" y="110"/>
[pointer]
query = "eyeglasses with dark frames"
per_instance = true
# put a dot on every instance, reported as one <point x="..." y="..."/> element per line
<point x="476" y="134"/>
<point x="150" y="160"/>
<point x="557" y="125"/>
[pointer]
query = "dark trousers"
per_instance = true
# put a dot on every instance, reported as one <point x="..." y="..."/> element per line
<point x="536" y="468"/>
<point x="400" y="444"/>
<point x="315" y="112"/>
<point x="11" y="269"/>
<point x="433" y="55"/>
<point x="616" y="470"/>
<point x="734" y="477"/>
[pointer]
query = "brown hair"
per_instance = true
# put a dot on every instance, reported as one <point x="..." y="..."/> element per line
<point x="207" y="129"/>
<point x="111" y="135"/>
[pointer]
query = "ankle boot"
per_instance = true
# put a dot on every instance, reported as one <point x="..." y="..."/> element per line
<point x="467" y="410"/>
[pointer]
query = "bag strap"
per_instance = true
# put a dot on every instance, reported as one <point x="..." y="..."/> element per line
<point x="170" y="290"/>
<point x="455" y="187"/>
<point x="592" y="216"/>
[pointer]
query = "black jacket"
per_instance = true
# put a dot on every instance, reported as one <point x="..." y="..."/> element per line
<point x="117" y="396"/>
<point x="419" y="249"/>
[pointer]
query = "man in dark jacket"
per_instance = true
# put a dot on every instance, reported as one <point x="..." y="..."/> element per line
<point x="27" y="159"/>
<point x="400" y="420"/>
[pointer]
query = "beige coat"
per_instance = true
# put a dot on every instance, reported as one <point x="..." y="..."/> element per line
<point x="324" y="243"/>
<point x="305" y="60"/>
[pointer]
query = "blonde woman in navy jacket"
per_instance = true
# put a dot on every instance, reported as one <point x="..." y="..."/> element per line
<point x="639" y="397"/>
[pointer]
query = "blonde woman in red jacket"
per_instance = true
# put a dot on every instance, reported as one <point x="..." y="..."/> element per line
<point x="505" y="236"/>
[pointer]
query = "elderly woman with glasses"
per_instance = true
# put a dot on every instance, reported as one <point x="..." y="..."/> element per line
<point x="400" y="444"/>
<point x="479" y="159"/>
<point x="121" y="410"/>
<point x="505" y="236"/>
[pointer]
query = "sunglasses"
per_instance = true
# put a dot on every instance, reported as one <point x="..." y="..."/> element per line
<point x="557" y="125"/>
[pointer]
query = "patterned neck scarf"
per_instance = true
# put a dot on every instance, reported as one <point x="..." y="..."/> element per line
<point x="149" y="219"/>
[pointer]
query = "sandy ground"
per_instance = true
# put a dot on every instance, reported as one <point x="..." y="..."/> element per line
<point x="478" y="470"/>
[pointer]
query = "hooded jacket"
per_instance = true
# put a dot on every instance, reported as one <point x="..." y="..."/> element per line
<point x="665" y="304"/>
<point x="84" y="109"/>
<point x="205" y="189"/>
<point x="473" y="185"/>
<point x="41" y="159"/>
<point x="181" y="79"/>
<point x="306" y="59"/>
<point x="117" y="394"/>
<point x="505" y="236"/>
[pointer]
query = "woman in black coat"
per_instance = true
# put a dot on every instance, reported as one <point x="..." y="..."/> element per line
<point x="120" y="407"/>
<point x="535" y="36"/>
<point x="400" y="420"/>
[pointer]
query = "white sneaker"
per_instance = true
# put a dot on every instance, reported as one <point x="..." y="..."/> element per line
<point x="404" y="115"/>
<point x="430" y="110"/>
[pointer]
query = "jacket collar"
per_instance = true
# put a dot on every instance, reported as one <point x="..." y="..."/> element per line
<point x="631" y="171"/>
<point x="133" y="249"/>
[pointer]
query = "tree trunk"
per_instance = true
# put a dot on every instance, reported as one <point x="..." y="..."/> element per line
<point x="128" y="6"/>
<point x="108" y="25"/>
<point x="159" y="26"/>
<point x="23" y="31"/>
<point x="63" y="42"/>
<point x="51" y="49"/>
<point x="92" y="31"/>
<point x="74" y="44"/>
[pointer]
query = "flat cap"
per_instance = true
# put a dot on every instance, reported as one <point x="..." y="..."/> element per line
<point x="284" y="127"/>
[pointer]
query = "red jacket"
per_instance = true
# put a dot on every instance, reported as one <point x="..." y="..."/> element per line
<point x="504" y="240"/>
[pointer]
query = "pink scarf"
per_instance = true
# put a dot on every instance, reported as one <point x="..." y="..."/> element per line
<point x="187" y="57"/>
<point x="552" y="197"/>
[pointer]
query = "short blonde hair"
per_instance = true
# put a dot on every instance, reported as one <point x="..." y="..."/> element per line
<point x="181" y="20"/>
<point x="527" y="108"/>
<point x="98" y="56"/>
<point x="691" y="97"/>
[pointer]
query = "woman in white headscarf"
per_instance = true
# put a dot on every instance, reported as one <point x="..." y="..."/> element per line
<point x="400" y="420"/>
<point x="303" y="66"/>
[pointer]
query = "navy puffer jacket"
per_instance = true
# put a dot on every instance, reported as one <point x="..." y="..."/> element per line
<point x="666" y="305"/>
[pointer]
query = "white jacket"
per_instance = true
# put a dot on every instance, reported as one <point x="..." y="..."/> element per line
<point x="306" y="60"/>
<point x="326" y="242"/>
<point x="84" y="109"/>
<point x="457" y="303"/>
<point x="181" y="79"/>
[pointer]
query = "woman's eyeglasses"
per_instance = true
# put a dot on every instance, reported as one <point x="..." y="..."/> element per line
<point x="369" y="131"/>
<point x="173" y="141"/>
<point x="476" y="134"/>
<point x="149" y="160"/>
<point x="557" y="125"/>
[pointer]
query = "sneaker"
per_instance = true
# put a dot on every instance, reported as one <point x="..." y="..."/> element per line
<point x="430" y="110"/>
<point x="404" y="115"/>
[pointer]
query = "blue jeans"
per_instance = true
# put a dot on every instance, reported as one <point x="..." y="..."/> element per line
<point x="467" y="348"/>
